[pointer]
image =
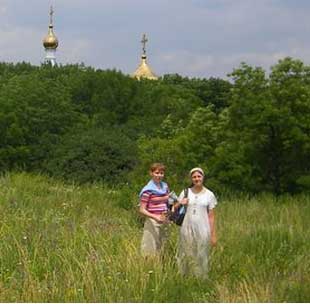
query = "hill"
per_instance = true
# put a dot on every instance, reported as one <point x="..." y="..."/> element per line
<point x="69" y="243"/>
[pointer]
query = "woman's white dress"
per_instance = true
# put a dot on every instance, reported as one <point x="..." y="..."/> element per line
<point x="194" y="239"/>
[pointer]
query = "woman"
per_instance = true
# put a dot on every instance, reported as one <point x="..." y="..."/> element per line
<point x="198" y="228"/>
<point x="154" y="206"/>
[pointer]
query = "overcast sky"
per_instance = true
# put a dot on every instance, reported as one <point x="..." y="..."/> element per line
<point x="195" y="38"/>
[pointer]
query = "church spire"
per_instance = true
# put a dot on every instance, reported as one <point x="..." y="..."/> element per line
<point x="144" y="70"/>
<point x="50" y="42"/>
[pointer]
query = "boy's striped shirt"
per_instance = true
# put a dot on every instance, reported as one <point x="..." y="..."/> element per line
<point x="155" y="203"/>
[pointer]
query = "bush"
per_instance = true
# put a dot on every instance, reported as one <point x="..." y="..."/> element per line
<point x="93" y="155"/>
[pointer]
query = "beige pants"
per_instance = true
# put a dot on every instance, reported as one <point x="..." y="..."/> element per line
<point x="154" y="235"/>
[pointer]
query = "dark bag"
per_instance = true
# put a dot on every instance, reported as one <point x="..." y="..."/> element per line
<point x="178" y="215"/>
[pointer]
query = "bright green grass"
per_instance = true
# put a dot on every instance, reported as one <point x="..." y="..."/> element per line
<point x="64" y="243"/>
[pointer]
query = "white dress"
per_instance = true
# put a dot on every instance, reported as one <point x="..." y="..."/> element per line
<point x="194" y="239"/>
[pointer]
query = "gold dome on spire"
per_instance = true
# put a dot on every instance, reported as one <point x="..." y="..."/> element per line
<point x="50" y="41"/>
<point x="144" y="70"/>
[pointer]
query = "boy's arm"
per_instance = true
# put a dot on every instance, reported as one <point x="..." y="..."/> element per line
<point x="143" y="209"/>
<point x="157" y="217"/>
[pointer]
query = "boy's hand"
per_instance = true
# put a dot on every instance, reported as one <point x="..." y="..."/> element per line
<point x="161" y="218"/>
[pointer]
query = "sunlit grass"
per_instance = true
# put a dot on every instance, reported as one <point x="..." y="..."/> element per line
<point x="66" y="243"/>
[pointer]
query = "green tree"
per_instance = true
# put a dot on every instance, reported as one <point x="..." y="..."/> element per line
<point x="193" y="144"/>
<point x="267" y="143"/>
<point x="212" y="91"/>
<point x="33" y="114"/>
<point x="88" y="155"/>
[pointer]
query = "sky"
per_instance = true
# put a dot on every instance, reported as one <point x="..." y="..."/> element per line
<point x="193" y="38"/>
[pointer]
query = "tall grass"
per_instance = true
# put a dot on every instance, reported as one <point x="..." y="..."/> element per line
<point x="65" y="243"/>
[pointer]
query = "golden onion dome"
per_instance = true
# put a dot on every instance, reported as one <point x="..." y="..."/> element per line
<point x="144" y="70"/>
<point x="50" y="41"/>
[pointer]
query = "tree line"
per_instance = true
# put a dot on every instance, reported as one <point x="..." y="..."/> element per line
<point x="251" y="133"/>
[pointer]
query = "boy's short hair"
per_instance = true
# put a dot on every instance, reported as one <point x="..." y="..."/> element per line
<point x="157" y="166"/>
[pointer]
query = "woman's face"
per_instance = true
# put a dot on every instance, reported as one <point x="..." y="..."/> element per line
<point x="157" y="175"/>
<point x="197" y="178"/>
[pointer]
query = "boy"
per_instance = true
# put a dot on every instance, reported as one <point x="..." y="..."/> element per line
<point x="154" y="205"/>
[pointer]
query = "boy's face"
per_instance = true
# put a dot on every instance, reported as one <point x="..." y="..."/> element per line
<point x="157" y="175"/>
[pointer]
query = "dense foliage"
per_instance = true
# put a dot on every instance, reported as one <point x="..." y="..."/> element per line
<point x="251" y="133"/>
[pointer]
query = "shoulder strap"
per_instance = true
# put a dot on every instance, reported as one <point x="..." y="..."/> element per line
<point x="185" y="196"/>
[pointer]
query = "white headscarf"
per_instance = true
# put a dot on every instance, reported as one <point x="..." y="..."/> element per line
<point x="197" y="169"/>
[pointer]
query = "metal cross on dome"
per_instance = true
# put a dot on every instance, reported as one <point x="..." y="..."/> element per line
<point x="144" y="41"/>
<point x="51" y="14"/>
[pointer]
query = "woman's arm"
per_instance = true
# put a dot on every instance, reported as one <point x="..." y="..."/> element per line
<point x="211" y="216"/>
<point x="181" y="201"/>
<point x="178" y="204"/>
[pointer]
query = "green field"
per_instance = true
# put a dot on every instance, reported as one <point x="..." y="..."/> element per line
<point x="65" y="243"/>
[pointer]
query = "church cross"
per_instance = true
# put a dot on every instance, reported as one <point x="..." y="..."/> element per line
<point x="51" y="14"/>
<point x="144" y="41"/>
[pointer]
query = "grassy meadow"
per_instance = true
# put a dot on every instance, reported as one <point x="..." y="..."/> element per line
<point x="66" y="243"/>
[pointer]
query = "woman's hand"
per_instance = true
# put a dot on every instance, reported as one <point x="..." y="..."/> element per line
<point x="213" y="240"/>
<point x="211" y="216"/>
<point x="184" y="201"/>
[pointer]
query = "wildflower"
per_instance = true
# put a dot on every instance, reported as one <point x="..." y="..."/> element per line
<point x="25" y="237"/>
<point x="150" y="272"/>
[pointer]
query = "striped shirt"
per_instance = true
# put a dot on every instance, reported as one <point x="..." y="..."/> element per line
<point x="154" y="203"/>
